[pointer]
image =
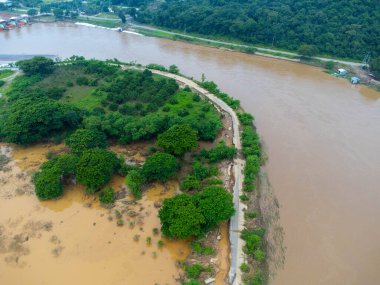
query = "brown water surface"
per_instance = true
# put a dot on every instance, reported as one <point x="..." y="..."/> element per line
<point x="73" y="240"/>
<point x="322" y="136"/>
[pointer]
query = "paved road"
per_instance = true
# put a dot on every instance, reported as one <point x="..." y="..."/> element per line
<point x="237" y="221"/>
<point x="246" y="46"/>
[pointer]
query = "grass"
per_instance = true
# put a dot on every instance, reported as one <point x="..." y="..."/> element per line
<point x="82" y="97"/>
<point x="6" y="73"/>
<point x="108" y="16"/>
<point x="99" y="22"/>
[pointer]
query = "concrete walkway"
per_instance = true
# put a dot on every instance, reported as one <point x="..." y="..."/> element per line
<point x="237" y="221"/>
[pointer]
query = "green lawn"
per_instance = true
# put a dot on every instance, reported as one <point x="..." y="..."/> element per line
<point x="99" y="22"/>
<point x="82" y="97"/>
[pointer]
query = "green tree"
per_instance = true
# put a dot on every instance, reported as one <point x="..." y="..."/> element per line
<point x="220" y="152"/>
<point x="83" y="139"/>
<point x="29" y="120"/>
<point x="58" y="13"/>
<point x="180" y="218"/>
<point x="307" y="50"/>
<point x="36" y="65"/>
<point x="215" y="204"/>
<point x="134" y="181"/>
<point x="160" y="166"/>
<point x="122" y="17"/>
<point x="107" y="196"/>
<point x="190" y="183"/>
<point x="174" y="69"/>
<point x="178" y="139"/>
<point x="95" y="168"/>
<point x="48" y="184"/>
<point x="375" y="66"/>
<point x="32" y="12"/>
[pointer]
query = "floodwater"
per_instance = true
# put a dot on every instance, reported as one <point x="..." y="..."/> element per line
<point x="73" y="240"/>
<point x="321" y="134"/>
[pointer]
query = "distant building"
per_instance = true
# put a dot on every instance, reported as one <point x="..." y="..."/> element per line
<point x="6" y="3"/>
<point x="355" y="80"/>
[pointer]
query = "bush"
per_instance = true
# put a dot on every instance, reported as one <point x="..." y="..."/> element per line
<point x="183" y="113"/>
<point x="220" y="152"/>
<point x="245" y="118"/>
<point x="2" y="82"/>
<point x="48" y="184"/>
<point x="192" y="282"/>
<point x="251" y="142"/>
<point x="178" y="139"/>
<point x="253" y="243"/>
<point x="107" y="196"/>
<point x="55" y="92"/>
<point x="95" y="168"/>
<point x="81" y="80"/>
<point x="213" y="181"/>
<point x="84" y="139"/>
<point x="190" y="183"/>
<point x="244" y="267"/>
<point x="250" y="215"/>
<point x="194" y="271"/>
<point x="134" y="181"/>
<point x="160" y="167"/>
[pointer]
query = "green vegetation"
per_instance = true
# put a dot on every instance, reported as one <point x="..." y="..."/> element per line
<point x="189" y="183"/>
<point x="134" y="181"/>
<point x="245" y="118"/>
<point x="83" y="139"/>
<point x="219" y="152"/>
<point x="200" y="250"/>
<point x="254" y="243"/>
<point x="178" y="139"/>
<point x="186" y="216"/>
<point x="194" y="271"/>
<point x="213" y="88"/>
<point x="4" y="73"/>
<point x="95" y="168"/>
<point x="281" y="24"/>
<point x="107" y="196"/>
<point x="160" y="167"/>
<point x="37" y="65"/>
<point x="375" y="66"/>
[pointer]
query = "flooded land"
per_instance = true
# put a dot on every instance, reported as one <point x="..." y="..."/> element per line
<point x="321" y="136"/>
<point x="73" y="239"/>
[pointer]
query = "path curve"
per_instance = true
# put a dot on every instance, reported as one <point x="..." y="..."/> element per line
<point x="237" y="221"/>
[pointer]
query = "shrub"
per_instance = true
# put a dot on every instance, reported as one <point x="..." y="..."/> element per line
<point x="220" y="152"/>
<point x="197" y="98"/>
<point x="48" y="184"/>
<point x="55" y="92"/>
<point x="83" y="139"/>
<point x="95" y="168"/>
<point x="251" y="142"/>
<point x="213" y="181"/>
<point x="250" y="215"/>
<point x="244" y="267"/>
<point x="82" y="80"/>
<point x="190" y="183"/>
<point x="2" y="82"/>
<point x="160" y="166"/>
<point x="107" y="196"/>
<point x="245" y="118"/>
<point x="192" y="282"/>
<point x="244" y="198"/>
<point x="134" y="181"/>
<point x="194" y="271"/>
<point x="183" y="113"/>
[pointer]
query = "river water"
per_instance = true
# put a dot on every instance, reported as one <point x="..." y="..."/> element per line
<point x="322" y="136"/>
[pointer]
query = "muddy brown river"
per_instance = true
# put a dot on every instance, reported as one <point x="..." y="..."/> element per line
<point x="321" y="134"/>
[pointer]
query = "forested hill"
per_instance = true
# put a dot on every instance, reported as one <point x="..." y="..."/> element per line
<point x="344" y="28"/>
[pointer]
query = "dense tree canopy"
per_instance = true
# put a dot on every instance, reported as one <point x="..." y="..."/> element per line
<point x="180" y="218"/>
<point x="28" y="121"/>
<point x="36" y="65"/>
<point x="178" y="139"/>
<point x="341" y="28"/>
<point x="83" y="139"/>
<point x="95" y="168"/>
<point x="160" y="167"/>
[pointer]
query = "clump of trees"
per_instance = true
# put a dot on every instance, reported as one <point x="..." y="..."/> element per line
<point x="107" y="196"/>
<point x="178" y="139"/>
<point x="83" y="139"/>
<point x="192" y="216"/>
<point x="28" y="121"/>
<point x="220" y="152"/>
<point x="36" y="65"/>
<point x="160" y="166"/>
<point x="134" y="181"/>
<point x="95" y="168"/>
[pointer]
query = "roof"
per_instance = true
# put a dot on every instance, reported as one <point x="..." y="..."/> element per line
<point x="341" y="69"/>
<point x="5" y="1"/>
